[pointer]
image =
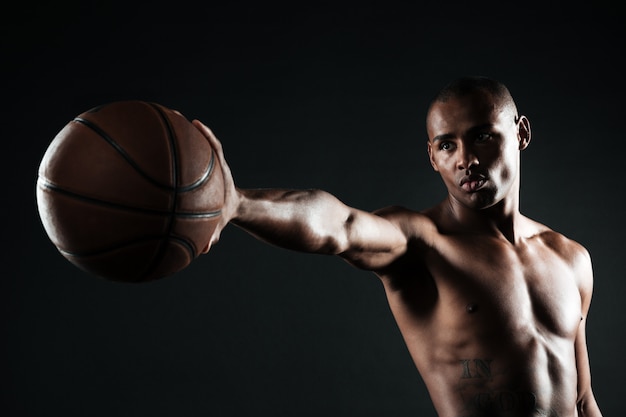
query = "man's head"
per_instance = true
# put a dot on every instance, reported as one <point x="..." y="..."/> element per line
<point x="474" y="139"/>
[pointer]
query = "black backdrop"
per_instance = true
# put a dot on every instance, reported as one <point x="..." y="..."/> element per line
<point x="327" y="96"/>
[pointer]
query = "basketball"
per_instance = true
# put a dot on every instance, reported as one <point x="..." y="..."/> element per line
<point x="130" y="191"/>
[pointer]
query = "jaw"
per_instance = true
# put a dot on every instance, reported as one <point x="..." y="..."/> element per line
<point x="490" y="200"/>
<point x="475" y="201"/>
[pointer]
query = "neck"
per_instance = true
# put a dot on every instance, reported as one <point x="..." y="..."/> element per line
<point x="502" y="219"/>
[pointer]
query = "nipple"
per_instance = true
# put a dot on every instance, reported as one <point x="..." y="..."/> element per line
<point x="471" y="308"/>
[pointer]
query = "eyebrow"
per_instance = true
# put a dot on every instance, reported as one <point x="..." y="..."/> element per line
<point x="481" y="127"/>
<point x="447" y="136"/>
<point x="442" y="137"/>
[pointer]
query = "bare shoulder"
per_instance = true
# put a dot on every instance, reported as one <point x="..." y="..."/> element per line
<point x="570" y="251"/>
<point x="414" y="224"/>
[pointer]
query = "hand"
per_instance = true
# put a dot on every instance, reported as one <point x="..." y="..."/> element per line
<point x="231" y="194"/>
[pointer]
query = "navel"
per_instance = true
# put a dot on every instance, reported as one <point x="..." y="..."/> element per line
<point x="471" y="308"/>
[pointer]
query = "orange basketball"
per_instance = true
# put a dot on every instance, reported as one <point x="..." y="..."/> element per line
<point x="130" y="191"/>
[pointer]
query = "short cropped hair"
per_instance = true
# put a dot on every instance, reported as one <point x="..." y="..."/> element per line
<point x="467" y="85"/>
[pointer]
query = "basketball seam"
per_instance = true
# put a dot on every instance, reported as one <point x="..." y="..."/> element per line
<point x="50" y="186"/>
<point x="203" y="179"/>
<point x="175" y="167"/>
<point x="102" y="133"/>
<point x="119" y="245"/>
<point x="93" y="126"/>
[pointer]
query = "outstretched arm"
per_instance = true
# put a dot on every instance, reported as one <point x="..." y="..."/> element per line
<point x="309" y="221"/>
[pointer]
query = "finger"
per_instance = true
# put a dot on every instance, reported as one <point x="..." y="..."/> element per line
<point x="208" y="133"/>
<point x="203" y="128"/>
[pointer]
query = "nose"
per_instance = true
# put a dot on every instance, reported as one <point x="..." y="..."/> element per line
<point x="467" y="158"/>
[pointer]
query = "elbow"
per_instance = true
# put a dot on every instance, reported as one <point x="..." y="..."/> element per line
<point x="334" y="241"/>
<point x="340" y="241"/>
<point x="330" y="225"/>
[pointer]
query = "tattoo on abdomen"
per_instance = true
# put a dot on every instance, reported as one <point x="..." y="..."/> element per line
<point x="491" y="400"/>
<point x="476" y="368"/>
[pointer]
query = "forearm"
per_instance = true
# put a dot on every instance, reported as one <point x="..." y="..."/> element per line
<point x="588" y="407"/>
<point x="303" y="220"/>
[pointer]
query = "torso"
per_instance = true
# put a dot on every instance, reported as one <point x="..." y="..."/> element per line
<point x="489" y="324"/>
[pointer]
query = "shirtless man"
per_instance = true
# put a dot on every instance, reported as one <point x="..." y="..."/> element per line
<point x="491" y="304"/>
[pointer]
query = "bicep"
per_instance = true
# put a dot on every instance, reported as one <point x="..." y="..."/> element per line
<point x="374" y="240"/>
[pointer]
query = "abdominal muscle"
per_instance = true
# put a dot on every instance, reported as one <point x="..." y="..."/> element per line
<point x="490" y="325"/>
<point x="514" y="382"/>
<point x="480" y="361"/>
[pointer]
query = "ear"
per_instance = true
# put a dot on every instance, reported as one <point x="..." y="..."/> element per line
<point x="523" y="132"/>
<point x="430" y="156"/>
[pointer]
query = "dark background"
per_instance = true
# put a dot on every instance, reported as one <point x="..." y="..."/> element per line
<point x="322" y="95"/>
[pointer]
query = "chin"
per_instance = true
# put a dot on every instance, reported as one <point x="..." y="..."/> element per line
<point x="479" y="200"/>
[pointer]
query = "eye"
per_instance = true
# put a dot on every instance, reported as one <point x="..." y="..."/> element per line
<point x="483" y="137"/>
<point x="445" y="146"/>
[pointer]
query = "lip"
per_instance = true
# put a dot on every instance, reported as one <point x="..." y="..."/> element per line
<point x="473" y="182"/>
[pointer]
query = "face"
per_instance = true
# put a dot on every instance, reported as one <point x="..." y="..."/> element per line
<point x="475" y="144"/>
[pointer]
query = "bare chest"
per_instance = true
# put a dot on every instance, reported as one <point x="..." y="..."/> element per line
<point x="490" y="324"/>
<point x="484" y="284"/>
